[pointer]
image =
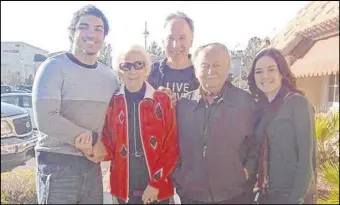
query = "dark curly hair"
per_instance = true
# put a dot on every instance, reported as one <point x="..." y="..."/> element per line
<point x="87" y="10"/>
<point x="288" y="78"/>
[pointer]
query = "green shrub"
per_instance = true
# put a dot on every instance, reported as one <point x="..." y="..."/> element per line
<point x="331" y="177"/>
<point x="327" y="144"/>
<point x="327" y="136"/>
<point x="18" y="187"/>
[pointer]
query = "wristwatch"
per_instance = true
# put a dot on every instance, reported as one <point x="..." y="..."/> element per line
<point x="94" y="136"/>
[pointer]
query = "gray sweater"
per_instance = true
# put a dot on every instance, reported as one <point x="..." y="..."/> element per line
<point x="69" y="99"/>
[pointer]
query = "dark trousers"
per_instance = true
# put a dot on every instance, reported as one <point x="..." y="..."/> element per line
<point x="138" y="200"/>
<point x="241" y="199"/>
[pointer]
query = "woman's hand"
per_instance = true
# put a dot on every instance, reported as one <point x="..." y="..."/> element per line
<point x="150" y="195"/>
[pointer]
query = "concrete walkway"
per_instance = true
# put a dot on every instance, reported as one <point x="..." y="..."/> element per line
<point x="106" y="181"/>
<point x="107" y="198"/>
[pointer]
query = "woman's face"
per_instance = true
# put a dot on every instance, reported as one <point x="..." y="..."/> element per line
<point x="133" y="71"/>
<point x="267" y="76"/>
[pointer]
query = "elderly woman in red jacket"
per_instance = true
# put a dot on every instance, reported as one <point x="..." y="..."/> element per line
<point x="139" y="135"/>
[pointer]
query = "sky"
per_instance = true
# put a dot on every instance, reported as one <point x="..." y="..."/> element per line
<point x="44" y="24"/>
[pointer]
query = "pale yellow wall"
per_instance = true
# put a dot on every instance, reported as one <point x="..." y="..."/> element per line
<point x="316" y="90"/>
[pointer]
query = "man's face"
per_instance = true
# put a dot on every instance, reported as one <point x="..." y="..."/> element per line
<point x="89" y="35"/>
<point x="178" y="39"/>
<point x="212" y="68"/>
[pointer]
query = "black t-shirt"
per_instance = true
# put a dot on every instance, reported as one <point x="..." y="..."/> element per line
<point x="180" y="81"/>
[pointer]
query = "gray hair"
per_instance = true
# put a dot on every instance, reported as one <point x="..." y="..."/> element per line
<point x="200" y="48"/>
<point x="179" y="14"/>
<point x="135" y="49"/>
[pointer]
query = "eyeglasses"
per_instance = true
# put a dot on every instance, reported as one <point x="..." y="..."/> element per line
<point x="126" y="66"/>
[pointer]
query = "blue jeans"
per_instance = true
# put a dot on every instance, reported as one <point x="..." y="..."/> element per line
<point x="74" y="180"/>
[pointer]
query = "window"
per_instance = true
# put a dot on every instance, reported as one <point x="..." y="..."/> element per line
<point x="11" y="51"/>
<point x="26" y="102"/>
<point x="14" y="100"/>
<point x="5" y="89"/>
<point x="333" y="95"/>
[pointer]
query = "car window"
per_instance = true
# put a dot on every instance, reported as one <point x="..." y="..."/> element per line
<point x="5" y="89"/>
<point x="14" y="100"/>
<point x="26" y="102"/>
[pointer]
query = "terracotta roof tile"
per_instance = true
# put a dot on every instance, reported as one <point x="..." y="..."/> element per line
<point x="313" y="14"/>
<point x="319" y="27"/>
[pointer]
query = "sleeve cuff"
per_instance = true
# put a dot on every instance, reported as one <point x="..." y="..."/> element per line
<point x="156" y="184"/>
<point x="107" y="158"/>
<point x="250" y="169"/>
<point x="157" y="179"/>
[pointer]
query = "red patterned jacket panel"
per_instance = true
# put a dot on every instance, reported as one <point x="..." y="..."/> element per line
<point x="159" y="136"/>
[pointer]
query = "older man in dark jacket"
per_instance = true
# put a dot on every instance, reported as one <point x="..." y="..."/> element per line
<point x="215" y="122"/>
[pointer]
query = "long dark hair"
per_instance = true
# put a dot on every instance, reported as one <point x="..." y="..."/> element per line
<point x="288" y="78"/>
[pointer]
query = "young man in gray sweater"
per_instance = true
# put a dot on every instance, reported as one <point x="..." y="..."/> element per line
<point x="71" y="93"/>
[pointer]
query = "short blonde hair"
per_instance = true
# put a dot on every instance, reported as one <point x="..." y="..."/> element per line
<point x="135" y="49"/>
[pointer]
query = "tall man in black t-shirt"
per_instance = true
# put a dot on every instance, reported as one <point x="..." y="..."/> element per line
<point x="176" y="71"/>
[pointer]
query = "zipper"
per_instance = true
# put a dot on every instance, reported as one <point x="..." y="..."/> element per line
<point x="134" y="128"/>
<point x="141" y="138"/>
<point x="204" y="150"/>
<point x="206" y="130"/>
<point x="205" y="138"/>
<point x="207" y="172"/>
<point x="128" y="150"/>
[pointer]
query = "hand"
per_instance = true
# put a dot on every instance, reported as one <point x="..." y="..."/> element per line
<point x="99" y="149"/>
<point x="83" y="142"/>
<point x="99" y="152"/>
<point x="94" y="159"/>
<point x="172" y="96"/>
<point x="150" y="195"/>
<point x="246" y="173"/>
